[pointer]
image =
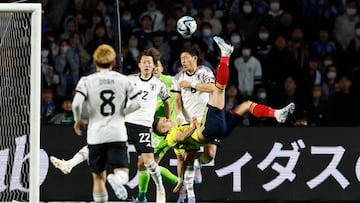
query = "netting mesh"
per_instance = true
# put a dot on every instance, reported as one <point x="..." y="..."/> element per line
<point x="14" y="105"/>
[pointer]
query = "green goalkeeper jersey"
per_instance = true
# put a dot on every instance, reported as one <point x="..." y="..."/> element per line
<point x="159" y="143"/>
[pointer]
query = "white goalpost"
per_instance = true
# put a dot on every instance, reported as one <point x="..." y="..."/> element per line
<point x="20" y="93"/>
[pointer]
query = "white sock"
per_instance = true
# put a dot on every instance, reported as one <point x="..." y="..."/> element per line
<point x="189" y="180"/>
<point x="154" y="170"/>
<point x="79" y="157"/>
<point x="100" y="197"/>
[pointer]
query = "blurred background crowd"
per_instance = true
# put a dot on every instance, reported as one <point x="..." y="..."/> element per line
<point x="302" y="51"/>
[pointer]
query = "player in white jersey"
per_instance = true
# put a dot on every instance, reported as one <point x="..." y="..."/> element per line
<point x="106" y="93"/>
<point x="191" y="88"/>
<point x="139" y="123"/>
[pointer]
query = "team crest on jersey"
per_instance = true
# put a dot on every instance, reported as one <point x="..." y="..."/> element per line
<point x="198" y="76"/>
<point x="152" y="86"/>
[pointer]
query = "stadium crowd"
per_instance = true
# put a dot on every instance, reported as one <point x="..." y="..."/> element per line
<point x="301" y="51"/>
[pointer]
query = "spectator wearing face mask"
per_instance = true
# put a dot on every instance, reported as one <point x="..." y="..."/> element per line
<point x="263" y="43"/>
<point x="345" y="23"/>
<point x="329" y="84"/>
<point x="274" y="14"/>
<point x="65" y="115"/>
<point x="249" y="71"/>
<point x="261" y="96"/>
<point x="248" y="21"/>
<point x="205" y="40"/>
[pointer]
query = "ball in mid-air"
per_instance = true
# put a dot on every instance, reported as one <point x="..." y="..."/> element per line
<point x="186" y="26"/>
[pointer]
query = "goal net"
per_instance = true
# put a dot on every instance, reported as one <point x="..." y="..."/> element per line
<point x="20" y="78"/>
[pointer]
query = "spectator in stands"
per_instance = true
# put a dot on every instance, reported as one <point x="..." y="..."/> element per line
<point x="157" y="16"/>
<point x="48" y="104"/>
<point x="329" y="84"/>
<point x="261" y="7"/>
<point x="102" y="6"/>
<point x="280" y="64"/>
<point x="324" y="45"/>
<point x="272" y="18"/>
<point x="208" y="15"/>
<point x="231" y="27"/>
<point x="353" y="50"/>
<point x="261" y="96"/>
<point x="67" y="65"/>
<point x="202" y="56"/>
<point x="353" y="59"/>
<point x="206" y="41"/>
<point x="77" y="10"/>
<point x="343" y="108"/>
<point x="101" y="37"/>
<point x="159" y="42"/>
<point x="188" y="8"/>
<point x="249" y="71"/>
<point x="50" y="78"/>
<point x="263" y="43"/>
<point x="85" y="58"/>
<point x="49" y="39"/>
<point x="127" y="21"/>
<point x="248" y="21"/>
<point x="345" y="23"/>
<point x="315" y="110"/>
<point x="65" y="116"/>
<point x="144" y="32"/>
<point x="233" y="97"/>
<point x="129" y="63"/>
<point x="310" y="76"/>
<point x="96" y="18"/>
<point x="298" y="46"/>
<point x="70" y="27"/>
<point x="133" y="46"/>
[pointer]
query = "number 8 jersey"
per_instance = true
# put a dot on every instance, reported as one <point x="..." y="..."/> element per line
<point x="106" y="93"/>
<point x="149" y="89"/>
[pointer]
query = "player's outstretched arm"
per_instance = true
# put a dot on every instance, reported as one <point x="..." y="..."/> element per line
<point x="182" y="136"/>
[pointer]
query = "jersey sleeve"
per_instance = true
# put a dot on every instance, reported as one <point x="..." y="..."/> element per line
<point x="175" y="87"/>
<point x="81" y="87"/>
<point x="131" y="91"/>
<point x="207" y="75"/>
<point x="164" y="94"/>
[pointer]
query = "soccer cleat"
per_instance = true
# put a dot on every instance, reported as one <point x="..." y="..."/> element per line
<point x="192" y="200"/>
<point x="282" y="114"/>
<point x="160" y="196"/>
<point x="60" y="164"/>
<point x="197" y="172"/>
<point x="119" y="189"/>
<point x="226" y="49"/>
<point x="182" y="194"/>
<point x="139" y="201"/>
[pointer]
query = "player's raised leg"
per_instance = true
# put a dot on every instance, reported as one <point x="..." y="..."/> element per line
<point x="260" y="110"/>
<point x="66" y="166"/>
<point x="222" y="75"/>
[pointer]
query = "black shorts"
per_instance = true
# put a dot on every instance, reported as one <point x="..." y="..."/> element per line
<point x="115" y="154"/>
<point x="140" y="137"/>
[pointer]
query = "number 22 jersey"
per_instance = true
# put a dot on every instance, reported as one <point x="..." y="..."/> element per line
<point x="149" y="90"/>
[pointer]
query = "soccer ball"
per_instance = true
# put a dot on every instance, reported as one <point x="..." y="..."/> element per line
<point x="186" y="26"/>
